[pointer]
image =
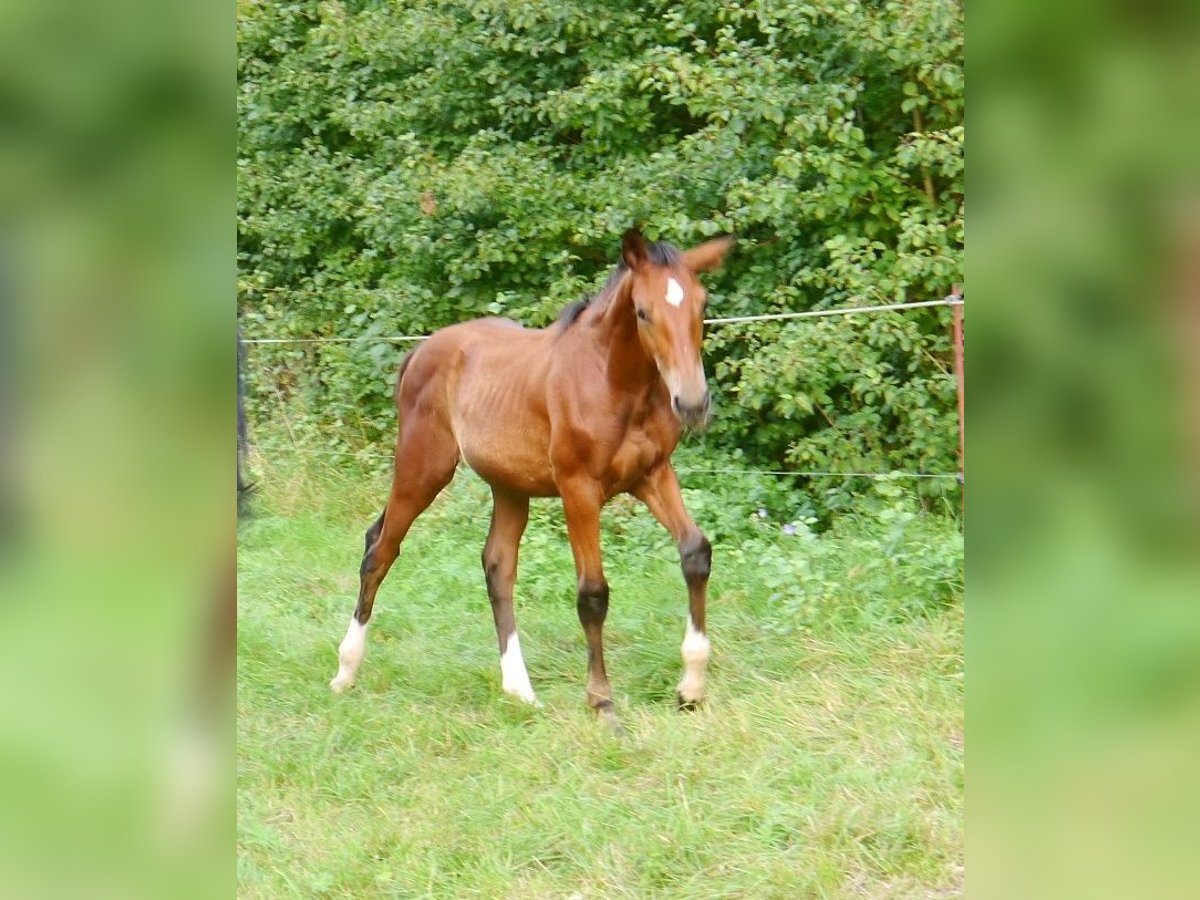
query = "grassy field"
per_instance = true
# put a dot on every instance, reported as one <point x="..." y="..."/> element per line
<point x="827" y="762"/>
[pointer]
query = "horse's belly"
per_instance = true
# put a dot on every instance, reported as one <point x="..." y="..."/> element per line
<point x="499" y="418"/>
<point x="510" y="457"/>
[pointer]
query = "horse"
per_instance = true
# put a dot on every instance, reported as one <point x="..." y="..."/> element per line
<point x="588" y="408"/>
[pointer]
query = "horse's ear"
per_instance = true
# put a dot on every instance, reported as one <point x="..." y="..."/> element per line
<point x="709" y="255"/>
<point x="633" y="249"/>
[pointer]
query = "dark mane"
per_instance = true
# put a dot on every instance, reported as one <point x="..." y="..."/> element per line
<point x="660" y="254"/>
<point x="571" y="312"/>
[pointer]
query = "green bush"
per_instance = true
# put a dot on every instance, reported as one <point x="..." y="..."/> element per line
<point x="888" y="561"/>
<point x="406" y="166"/>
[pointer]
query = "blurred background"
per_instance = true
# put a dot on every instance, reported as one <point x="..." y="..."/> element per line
<point x="116" y="570"/>
<point x="1083" y="623"/>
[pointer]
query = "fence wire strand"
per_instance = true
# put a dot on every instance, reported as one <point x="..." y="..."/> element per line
<point x="682" y="470"/>
<point x="951" y="300"/>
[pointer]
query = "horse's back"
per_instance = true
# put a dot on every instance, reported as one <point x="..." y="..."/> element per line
<point x="445" y="351"/>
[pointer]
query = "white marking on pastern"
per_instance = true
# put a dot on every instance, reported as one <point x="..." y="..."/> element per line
<point x="350" y="655"/>
<point x="695" y="651"/>
<point x="514" y="677"/>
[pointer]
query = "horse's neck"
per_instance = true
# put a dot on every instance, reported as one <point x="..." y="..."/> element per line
<point x="629" y="367"/>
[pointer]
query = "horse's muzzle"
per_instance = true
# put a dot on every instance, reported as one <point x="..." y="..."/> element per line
<point x="693" y="416"/>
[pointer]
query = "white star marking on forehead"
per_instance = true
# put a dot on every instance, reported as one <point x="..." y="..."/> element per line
<point x="674" y="292"/>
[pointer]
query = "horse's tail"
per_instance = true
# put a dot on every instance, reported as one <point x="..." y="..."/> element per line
<point x="400" y="375"/>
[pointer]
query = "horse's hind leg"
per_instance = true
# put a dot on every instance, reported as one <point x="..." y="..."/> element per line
<point x="425" y="462"/>
<point x="510" y="513"/>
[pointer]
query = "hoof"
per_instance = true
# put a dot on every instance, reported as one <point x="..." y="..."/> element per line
<point x="686" y="705"/>
<point x="526" y="697"/>
<point x="339" y="685"/>
<point x="604" y="710"/>
<point x="613" y="723"/>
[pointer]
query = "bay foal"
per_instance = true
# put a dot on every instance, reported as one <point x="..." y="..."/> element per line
<point x="589" y="408"/>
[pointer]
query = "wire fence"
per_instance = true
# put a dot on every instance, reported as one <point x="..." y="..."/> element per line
<point x="951" y="300"/>
<point x="681" y="470"/>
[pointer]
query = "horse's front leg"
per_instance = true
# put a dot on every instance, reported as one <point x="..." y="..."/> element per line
<point x="582" y="501"/>
<point x="659" y="490"/>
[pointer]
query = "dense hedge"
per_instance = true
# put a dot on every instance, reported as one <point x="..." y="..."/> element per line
<point x="407" y="165"/>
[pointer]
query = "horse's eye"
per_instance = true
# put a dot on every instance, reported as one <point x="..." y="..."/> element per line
<point x="643" y="315"/>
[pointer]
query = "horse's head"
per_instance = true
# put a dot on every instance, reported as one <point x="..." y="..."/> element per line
<point x="669" y="302"/>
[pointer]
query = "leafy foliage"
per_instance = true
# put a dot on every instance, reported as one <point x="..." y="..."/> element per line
<point x="406" y="166"/>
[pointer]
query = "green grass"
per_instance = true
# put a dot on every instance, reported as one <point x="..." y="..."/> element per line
<point x="827" y="761"/>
